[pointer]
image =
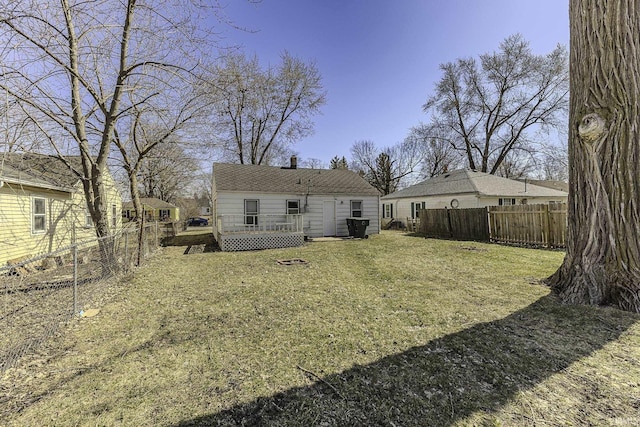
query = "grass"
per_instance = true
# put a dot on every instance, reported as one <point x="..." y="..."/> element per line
<point x="394" y="330"/>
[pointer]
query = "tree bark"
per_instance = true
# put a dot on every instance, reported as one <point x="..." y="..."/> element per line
<point x="602" y="265"/>
<point x="139" y="208"/>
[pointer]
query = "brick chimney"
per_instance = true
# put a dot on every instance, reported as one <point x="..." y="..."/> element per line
<point x="294" y="162"/>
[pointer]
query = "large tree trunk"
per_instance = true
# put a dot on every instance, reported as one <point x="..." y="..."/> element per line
<point x="96" y="198"/>
<point x="139" y="208"/>
<point x="602" y="265"/>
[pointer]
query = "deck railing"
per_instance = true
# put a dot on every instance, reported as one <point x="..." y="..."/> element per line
<point x="259" y="224"/>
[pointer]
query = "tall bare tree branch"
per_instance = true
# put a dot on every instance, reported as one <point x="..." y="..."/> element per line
<point x="493" y="108"/>
<point x="260" y="112"/>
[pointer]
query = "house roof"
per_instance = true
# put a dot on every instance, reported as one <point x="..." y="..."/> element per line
<point x="271" y="179"/>
<point x="40" y="170"/>
<point x="471" y="182"/>
<point x="151" y="202"/>
<point x="556" y="185"/>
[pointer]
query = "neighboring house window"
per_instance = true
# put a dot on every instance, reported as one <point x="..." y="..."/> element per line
<point x="39" y="210"/>
<point x="506" y="201"/>
<point x="251" y="211"/>
<point x="356" y="208"/>
<point x="164" y="214"/>
<point x="88" y="221"/>
<point x="387" y="210"/>
<point x="415" y="207"/>
<point x="293" y="207"/>
<point x="114" y="218"/>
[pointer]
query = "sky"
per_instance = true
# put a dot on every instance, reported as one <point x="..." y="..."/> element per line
<point x="379" y="60"/>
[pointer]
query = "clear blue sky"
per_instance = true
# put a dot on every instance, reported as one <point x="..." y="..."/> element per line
<point x="379" y="59"/>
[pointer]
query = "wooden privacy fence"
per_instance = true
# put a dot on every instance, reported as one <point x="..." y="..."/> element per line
<point x="460" y="224"/>
<point x="536" y="225"/>
<point x="539" y="225"/>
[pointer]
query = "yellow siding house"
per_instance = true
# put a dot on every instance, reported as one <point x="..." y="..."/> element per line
<point x="42" y="205"/>
<point x="154" y="210"/>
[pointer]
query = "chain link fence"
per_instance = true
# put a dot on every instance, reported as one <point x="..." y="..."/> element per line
<point x="40" y="294"/>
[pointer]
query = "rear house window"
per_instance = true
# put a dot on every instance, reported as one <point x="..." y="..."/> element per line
<point x="506" y="202"/>
<point x="293" y="207"/>
<point x="39" y="221"/>
<point x="356" y="208"/>
<point x="251" y="210"/>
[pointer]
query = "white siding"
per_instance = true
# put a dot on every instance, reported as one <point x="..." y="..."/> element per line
<point x="402" y="207"/>
<point x="494" y="201"/>
<point x="232" y="203"/>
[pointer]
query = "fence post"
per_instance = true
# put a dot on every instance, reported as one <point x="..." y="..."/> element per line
<point x="126" y="250"/>
<point x="140" y="238"/>
<point x="545" y="225"/>
<point x="156" y="245"/>
<point x="487" y="215"/>
<point x="75" y="279"/>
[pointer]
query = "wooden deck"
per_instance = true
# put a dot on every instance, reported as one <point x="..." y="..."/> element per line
<point x="253" y="232"/>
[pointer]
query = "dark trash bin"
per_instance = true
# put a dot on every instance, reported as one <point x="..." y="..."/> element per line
<point x="351" y="226"/>
<point x="358" y="227"/>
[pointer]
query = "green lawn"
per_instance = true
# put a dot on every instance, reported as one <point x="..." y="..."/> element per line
<point x="390" y="331"/>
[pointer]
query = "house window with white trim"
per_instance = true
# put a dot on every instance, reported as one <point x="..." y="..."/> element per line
<point x="356" y="208"/>
<point x="415" y="207"/>
<point x="251" y="211"/>
<point x="387" y="210"/>
<point x="293" y="207"/>
<point x="114" y="218"/>
<point x="39" y="215"/>
<point x="505" y="201"/>
<point x="88" y="221"/>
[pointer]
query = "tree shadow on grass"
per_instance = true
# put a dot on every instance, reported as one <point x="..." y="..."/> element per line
<point x="199" y="242"/>
<point x="450" y="378"/>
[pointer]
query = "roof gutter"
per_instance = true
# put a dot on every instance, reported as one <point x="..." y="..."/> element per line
<point x="37" y="185"/>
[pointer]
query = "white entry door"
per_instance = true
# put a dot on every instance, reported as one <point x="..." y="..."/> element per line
<point x="329" y="218"/>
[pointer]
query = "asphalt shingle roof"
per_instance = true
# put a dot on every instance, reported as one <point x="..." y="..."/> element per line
<point x="270" y="179"/>
<point x="471" y="182"/>
<point x="556" y="185"/>
<point x="40" y="170"/>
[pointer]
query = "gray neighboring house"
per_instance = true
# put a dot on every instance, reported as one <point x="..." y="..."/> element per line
<point x="464" y="189"/>
<point x="257" y="207"/>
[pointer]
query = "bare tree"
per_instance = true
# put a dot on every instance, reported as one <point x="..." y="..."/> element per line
<point x="19" y="132"/>
<point x="260" y="112"/>
<point x="203" y="182"/>
<point x="151" y="150"/>
<point x="313" y="163"/>
<point x="518" y="164"/>
<point x="385" y="168"/>
<point x="168" y="173"/>
<point x="439" y="155"/>
<point x="77" y="68"/>
<point x="553" y="162"/>
<point x="602" y="264"/>
<point x="491" y="109"/>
